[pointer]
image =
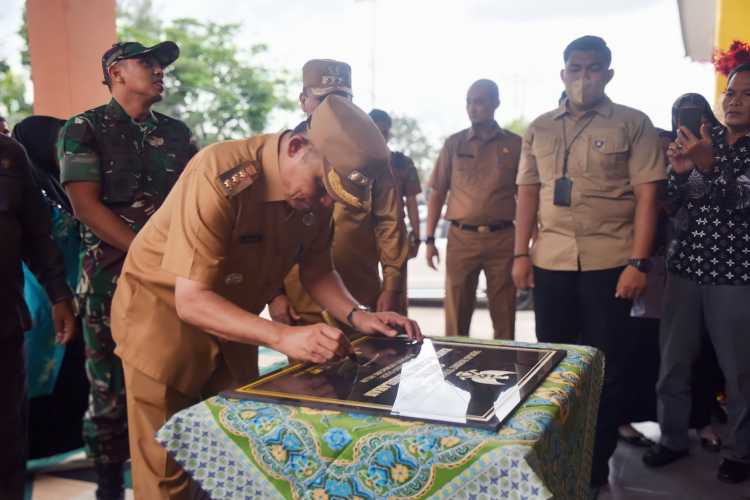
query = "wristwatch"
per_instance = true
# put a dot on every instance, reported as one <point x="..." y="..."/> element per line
<point x="413" y="239"/>
<point x="643" y="265"/>
<point x="350" y="316"/>
<point x="430" y="240"/>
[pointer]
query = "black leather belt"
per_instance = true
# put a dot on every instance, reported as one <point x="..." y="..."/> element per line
<point x="489" y="228"/>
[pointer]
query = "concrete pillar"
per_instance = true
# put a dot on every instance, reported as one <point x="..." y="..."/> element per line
<point x="66" y="41"/>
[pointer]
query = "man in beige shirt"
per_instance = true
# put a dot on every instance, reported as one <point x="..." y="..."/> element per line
<point x="478" y="167"/>
<point x="587" y="183"/>
<point x="185" y="313"/>
<point x="365" y="237"/>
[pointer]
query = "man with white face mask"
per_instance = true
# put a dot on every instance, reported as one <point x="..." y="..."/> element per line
<point x="588" y="182"/>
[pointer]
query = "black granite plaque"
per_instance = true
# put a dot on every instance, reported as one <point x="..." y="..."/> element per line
<point x="496" y="376"/>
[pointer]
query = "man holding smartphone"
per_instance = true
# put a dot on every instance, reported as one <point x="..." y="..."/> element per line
<point x="588" y="182"/>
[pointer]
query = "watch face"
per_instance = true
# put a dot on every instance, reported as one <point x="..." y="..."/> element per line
<point x="643" y="265"/>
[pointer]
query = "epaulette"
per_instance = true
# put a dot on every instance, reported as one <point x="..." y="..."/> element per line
<point x="239" y="178"/>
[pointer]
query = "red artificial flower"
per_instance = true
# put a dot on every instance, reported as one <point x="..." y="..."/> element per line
<point x="726" y="61"/>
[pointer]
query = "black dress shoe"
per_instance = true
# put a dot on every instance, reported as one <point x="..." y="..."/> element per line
<point x="732" y="471"/>
<point x="640" y="440"/>
<point x="711" y="444"/>
<point x="660" y="455"/>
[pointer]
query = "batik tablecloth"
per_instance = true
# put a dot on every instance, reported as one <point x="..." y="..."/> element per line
<point x="239" y="449"/>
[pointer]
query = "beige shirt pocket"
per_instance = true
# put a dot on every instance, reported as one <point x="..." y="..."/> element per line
<point x="607" y="159"/>
<point x="545" y="149"/>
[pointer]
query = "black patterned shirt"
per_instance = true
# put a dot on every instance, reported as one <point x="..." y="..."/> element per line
<point x="712" y="240"/>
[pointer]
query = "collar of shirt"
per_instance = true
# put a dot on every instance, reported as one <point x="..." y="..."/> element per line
<point x="269" y="160"/>
<point x="604" y="109"/>
<point x="116" y="112"/>
<point x="718" y="133"/>
<point x="494" y="131"/>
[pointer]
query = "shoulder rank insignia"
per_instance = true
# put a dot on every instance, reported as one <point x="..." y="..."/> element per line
<point x="237" y="179"/>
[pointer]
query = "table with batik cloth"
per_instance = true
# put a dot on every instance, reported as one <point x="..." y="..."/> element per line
<point x="240" y="449"/>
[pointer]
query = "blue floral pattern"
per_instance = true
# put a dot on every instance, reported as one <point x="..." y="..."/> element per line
<point x="543" y="450"/>
<point x="337" y="438"/>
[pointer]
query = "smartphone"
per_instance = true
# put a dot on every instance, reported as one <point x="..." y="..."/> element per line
<point x="691" y="119"/>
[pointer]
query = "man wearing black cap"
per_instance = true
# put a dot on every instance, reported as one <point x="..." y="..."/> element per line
<point x="117" y="163"/>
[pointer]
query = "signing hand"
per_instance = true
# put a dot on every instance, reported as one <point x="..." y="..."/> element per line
<point x="281" y="310"/>
<point x="631" y="285"/>
<point x="386" y="324"/>
<point x="65" y="321"/>
<point x="317" y="343"/>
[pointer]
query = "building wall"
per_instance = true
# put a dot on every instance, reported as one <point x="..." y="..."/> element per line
<point x="66" y="41"/>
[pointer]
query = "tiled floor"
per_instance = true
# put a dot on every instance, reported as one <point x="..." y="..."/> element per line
<point x="693" y="478"/>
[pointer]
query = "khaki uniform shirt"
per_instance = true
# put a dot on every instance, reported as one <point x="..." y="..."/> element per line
<point x="405" y="172"/>
<point x="226" y="224"/>
<point x="618" y="149"/>
<point x="361" y="241"/>
<point x="480" y="175"/>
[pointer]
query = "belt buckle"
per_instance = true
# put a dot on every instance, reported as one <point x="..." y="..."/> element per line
<point x="483" y="229"/>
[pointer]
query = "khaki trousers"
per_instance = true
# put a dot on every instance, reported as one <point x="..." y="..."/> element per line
<point x="150" y="404"/>
<point x="467" y="254"/>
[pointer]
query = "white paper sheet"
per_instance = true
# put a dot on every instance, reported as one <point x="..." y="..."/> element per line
<point x="424" y="393"/>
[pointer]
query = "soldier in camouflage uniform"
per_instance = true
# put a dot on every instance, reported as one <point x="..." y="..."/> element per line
<point x="118" y="163"/>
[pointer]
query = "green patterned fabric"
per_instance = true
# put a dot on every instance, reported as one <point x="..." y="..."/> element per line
<point x="248" y="449"/>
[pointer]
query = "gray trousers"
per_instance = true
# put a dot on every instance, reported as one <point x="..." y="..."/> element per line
<point x="725" y="311"/>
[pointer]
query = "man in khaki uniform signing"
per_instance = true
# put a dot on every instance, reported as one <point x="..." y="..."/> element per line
<point x="184" y="315"/>
<point x="588" y="184"/>
<point x="477" y="166"/>
<point x="366" y="235"/>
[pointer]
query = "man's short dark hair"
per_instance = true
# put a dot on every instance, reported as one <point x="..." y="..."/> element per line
<point x="380" y="116"/>
<point x="301" y="127"/>
<point x="742" y="68"/>
<point x="588" y="43"/>
<point x="489" y="86"/>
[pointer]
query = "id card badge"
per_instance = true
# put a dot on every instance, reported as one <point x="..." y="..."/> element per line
<point x="563" y="190"/>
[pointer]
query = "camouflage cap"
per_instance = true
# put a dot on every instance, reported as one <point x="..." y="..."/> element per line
<point x="165" y="52"/>
<point x="324" y="76"/>
<point x="353" y="150"/>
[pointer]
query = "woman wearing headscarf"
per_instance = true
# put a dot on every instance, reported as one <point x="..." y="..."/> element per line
<point x="57" y="383"/>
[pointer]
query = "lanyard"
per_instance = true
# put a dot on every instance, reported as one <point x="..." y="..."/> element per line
<point x="568" y="146"/>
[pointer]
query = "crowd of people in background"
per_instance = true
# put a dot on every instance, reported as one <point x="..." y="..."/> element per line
<point x="633" y="239"/>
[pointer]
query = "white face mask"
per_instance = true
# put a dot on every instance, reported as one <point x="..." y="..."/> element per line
<point x="583" y="93"/>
